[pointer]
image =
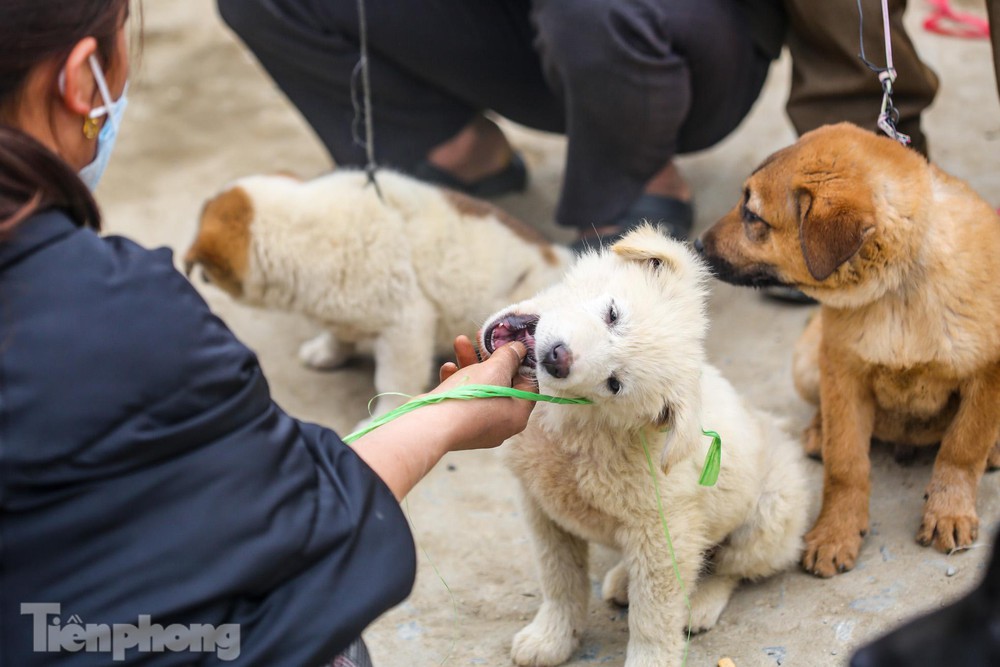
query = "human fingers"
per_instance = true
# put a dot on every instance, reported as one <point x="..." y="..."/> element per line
<point x="448" y="369"/>
<point x="507" y="359"/>
<point x="465" y="352"/>
<point x="525" y="383"/>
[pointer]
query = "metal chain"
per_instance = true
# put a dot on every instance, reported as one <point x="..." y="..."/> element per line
<point x="889" y="114"/>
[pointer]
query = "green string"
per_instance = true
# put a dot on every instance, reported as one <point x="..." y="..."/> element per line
<point x="713" y="460"/>
<point x="709" y="472"/>
<point x="462" y="393"/>
<point x="670" y="543"/>
<point x="465" y="392"/>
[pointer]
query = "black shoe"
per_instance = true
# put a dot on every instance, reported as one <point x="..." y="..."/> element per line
<point x="673" y="216"/>
<point x="510" y="179"/>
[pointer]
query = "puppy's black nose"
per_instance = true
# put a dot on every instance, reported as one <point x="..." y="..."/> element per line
<point x="557" y="361"/>
<point x="699" y="246"/>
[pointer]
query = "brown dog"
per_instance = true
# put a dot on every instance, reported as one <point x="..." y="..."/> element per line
<point x="905" y="262"/>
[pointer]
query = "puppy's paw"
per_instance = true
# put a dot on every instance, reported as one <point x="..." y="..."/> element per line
<point x="832" y="547"/>
<point x="950" y="521"/>
<point x="548" y="640"/>
<point x="615" y="586"/>
<point x="645" y="654"/>
<point x="708" y="602"/>
<point x="324" y="352"/>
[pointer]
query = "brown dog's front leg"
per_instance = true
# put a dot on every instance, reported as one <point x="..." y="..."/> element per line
<point x="950" y="521"/>
<point x="848" y="414"/>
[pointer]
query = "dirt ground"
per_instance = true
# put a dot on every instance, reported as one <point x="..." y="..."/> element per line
<point x="202" y="113"/>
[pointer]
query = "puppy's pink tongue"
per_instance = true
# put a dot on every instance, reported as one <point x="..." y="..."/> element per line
<point x="500" y="334"/>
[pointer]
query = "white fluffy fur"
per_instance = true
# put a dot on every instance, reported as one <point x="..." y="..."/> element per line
<point x="409" y="273"/>
<point x="585" y="477"/>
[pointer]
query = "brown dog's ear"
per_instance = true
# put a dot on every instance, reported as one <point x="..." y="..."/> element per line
<point x="222" y="245"/>
<point x="832" y="228"/>
<point x="217" y="267"/>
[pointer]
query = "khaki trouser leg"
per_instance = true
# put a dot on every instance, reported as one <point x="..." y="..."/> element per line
<point x="831" y="84"/>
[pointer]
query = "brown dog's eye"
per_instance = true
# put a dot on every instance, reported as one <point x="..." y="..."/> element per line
<point x="756" y="230"/>
<point x="750" y="216"/>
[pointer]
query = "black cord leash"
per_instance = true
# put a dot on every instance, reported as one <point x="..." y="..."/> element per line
<point x="362" y="69"/>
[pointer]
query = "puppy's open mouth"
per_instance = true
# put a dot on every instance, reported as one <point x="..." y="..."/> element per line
<point x="509" y="328"/>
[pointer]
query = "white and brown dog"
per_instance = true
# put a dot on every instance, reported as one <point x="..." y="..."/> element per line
<point x="625" y="329"/>
<point x="409" y="272"/>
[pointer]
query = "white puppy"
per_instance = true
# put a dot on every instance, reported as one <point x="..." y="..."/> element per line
<point x="625" y="329"/>
<point x="408" y="273"/>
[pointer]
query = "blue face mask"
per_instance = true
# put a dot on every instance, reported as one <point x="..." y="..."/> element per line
<point x="91" y="174"/>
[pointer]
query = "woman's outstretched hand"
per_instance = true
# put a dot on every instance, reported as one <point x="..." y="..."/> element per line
<point x="486" y="422"/>
<point x="405" y="449"/>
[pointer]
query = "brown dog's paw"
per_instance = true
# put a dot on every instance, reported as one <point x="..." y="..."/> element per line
<point x="950" y="522"/>
<point x="832" y="548"/>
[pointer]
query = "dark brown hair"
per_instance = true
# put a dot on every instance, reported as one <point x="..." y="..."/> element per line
<point x="33" y="32"/>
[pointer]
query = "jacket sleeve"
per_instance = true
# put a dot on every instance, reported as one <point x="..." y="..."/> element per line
<point x="148" y="472"/>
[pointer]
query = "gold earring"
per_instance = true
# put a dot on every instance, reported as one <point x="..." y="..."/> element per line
<point x="90" y="127"/>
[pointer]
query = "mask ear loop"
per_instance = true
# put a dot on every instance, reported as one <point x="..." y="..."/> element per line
<point x="102" y="87"/>
<point x="90" y="127"/>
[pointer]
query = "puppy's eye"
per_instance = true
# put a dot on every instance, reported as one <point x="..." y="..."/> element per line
<point x="614" y="386"/>
<point x="750" y="216"/>
<point x="612" y="315"/>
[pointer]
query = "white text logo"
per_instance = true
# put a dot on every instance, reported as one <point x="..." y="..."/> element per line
<point x="50" y="635"/>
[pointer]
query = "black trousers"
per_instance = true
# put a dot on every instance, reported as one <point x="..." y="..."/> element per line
<point x="631" y="83"/>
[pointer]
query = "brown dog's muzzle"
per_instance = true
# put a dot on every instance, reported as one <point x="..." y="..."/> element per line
<point x="729" y="265"/>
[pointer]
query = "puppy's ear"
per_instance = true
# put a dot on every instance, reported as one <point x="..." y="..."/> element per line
<point x="833" y="226"/>
<point x="222" y="246"/>
<point x="646" y="244"/>
<point x="218" y="269"/>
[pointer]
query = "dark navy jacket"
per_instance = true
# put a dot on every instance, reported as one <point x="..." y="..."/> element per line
<point x="145" y="470"/>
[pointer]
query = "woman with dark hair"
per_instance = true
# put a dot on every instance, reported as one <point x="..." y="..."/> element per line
<point x="155" y="504"/>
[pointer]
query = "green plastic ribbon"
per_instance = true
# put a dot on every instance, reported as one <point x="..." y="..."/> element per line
<point x="709" y="472"/>
<point x="463" y="393"/>
<point x="713" y="460"/>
